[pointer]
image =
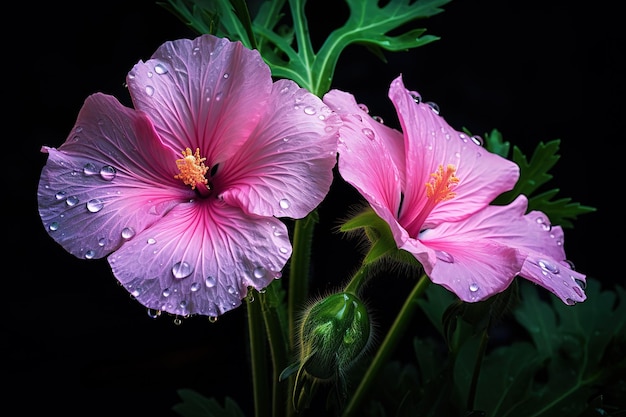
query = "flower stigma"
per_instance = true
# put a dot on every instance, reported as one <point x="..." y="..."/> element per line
<point x="439" y="187"/>
<point x="192" y="170"/>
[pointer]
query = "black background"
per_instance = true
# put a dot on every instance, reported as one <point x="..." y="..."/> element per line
<point x="76" y="343"/>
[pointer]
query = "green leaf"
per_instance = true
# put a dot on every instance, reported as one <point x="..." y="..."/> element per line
<point x="496" y="144"/>
<point x="196" y="405"/>
<point x="560" y="211"/>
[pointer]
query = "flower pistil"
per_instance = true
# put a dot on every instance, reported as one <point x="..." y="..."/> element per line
<point x="439" y="187"/>
<point x="192" y="170"/>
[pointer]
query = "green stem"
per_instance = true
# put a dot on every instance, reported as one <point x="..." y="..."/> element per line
<point x="299" y="270"/>
<point x="471" y="395"/>
<point x="260" y="386"/>
<point x="278" y="349"/>
<point x="386" y="348"/>
<point x="358" y="279"/>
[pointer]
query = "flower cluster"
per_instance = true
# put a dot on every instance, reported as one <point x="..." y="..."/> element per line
<point x="190" y="193"/>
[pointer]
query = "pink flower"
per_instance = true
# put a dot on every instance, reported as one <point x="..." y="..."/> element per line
<point x="185" y="190"/>
<point x="433" y="186"/>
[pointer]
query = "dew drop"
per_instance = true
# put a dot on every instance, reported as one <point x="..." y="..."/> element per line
<point x="582" y="284"/>
<point x="433" y="106"/>
<point x="369" y="133"/>
<point x="181" y="270"/>
<point x="231" y="290"/>
<point x="210" y="281"/>
<point x="160" y="69"/>
<point x="127" y="233"/>
<point x="364" y="108"/>
<point x="444" y="256"/>
<point x="309" y="110"/>
<point x="101" y="242"/>
<point x="226" y="75"/>
<point x="90" y="254"/>
<point x="107" y="173"/>
<point x="166" y="292"/>
<point x="95" y="205"/>
<point x="149" y="90"/>
<point x="53" y="226"/>
<point x="473" y="287"/>
<point x="71" y="201"/>
<point x="195" y="287"/>
<point x="284" y="203"/>
<point x="569" y="302"/>
<point x="283" y="250"/>
<point x="153" y="314"/>
<point x="259" y="272"/>
<point x="284" y="90"/>
<point x="378" y="119"/>
<point x="151" y="241"/>
<point x="478" y="140"/>
<point x="416" y="97"/>
<point x="60" y="195"/>
<point x="547" y="266"/>
<point x="90" y="169"/>
<point x="212" y="319"/>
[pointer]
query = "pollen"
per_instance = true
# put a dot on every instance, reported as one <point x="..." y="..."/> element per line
<point x="439" y="187"/>
<point x="192" y="168"/>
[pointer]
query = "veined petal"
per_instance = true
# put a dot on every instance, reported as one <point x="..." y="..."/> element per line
<point x="111" y="179"/>
<point x="431" y="142"/>
<point x="472" y="274"/>
<point x="369" y="155"/>
<point x="206" y="93"/>
<point x="285" y="167"/>
<point x="201" y="258"/>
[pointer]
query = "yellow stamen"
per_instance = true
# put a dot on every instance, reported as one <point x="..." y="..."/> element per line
<point x="192" y="168"/>
<point x="439" y="187"/>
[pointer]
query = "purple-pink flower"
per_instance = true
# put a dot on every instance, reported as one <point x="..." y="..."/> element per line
<point x="433" y="185"/>
<point x="184" y="192"/>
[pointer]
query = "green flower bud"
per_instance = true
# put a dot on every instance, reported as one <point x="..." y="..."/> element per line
<point x="334" y="333"/>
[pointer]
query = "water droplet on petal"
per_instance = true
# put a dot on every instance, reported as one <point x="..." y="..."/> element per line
<point x="478" y="140"/>
<point x="95" y="205"/>
<point x="444" y="256"/>
<point x="369" y="133"/>
<point x="309" y="110"/>
<point x="160" y="69"/>
<point x="364" y="108"/>
<point x="149" y="90"/>
<point x="181" y="270"/>
<point x="547" y="266"/>
<point x="433" y="106"/>
<point x="107" y="173"/>
<point x="166" y="292"/>
<point x="195" y="287"/>
<point x="71" y="201"/>
<point x="210" y="281"/>
<point x="231" y="290"/>
<point x="153" y="314"/>
<point x="284" y="203"/>
<point x="473" y="287"/>
<point x="151" y="241"/>
<point x="259" y="272"/>
<point x="582" y="284"/>
<point x="378" y="119"/>
<point x="60" y="195"/>
<point x="569" y="302"/>
<point x="90" y="169"/>
<point x="53" y="226"/>
<point x="226" y="75"/>
<point x="90" y="254"/>
<point x="128" y="232"/>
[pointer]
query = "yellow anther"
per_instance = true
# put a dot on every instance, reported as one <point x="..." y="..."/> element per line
<point x="439" y="187"/>
<point x="192" y="168"/>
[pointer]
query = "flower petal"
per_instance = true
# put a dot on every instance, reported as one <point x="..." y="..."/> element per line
<point x="201" y="258"/>
<point x="285" y="167"/>
<point x="206" y="93"/>
<point x="431" y="142"/>
<point x="371" y="155"/>
<point x="111" y="179"/>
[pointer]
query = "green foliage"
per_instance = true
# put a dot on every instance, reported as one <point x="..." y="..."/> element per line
<point x="569" y="363"/>
<point x="533" y="175"/>
<point x="288" y="50"/>
<point x="195" y="404"/>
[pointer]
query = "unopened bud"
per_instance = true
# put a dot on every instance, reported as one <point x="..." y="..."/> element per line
<point x="335" y="332"/>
